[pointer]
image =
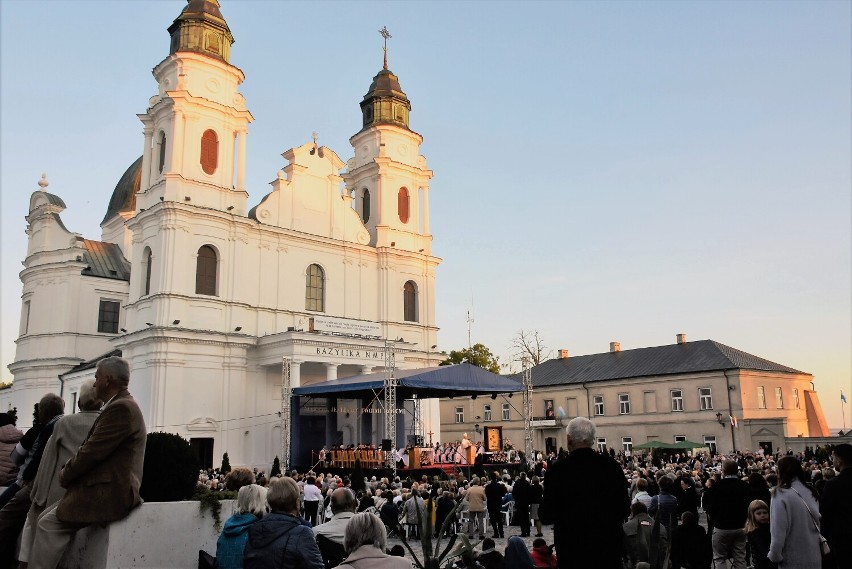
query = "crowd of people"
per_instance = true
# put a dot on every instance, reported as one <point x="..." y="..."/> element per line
<point x="608" y="510"/>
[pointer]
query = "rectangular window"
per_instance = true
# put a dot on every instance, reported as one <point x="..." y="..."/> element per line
<point x="486" y="414"/>
<point x="623" y="403"/>
<point x="779" y="398"/>
<point x="25" y="317"/>
<point x="627" y="444"/>
<point x="572" y="406"/>
<point x="599" y="408"/>
<point x="796" y="397"/>
<point x="601" y="445"/>
<point x="710" y="441"/>
<point x="677" y="399"/>
<point x="650" y="401"/>
<point x="459" y="414"/>
<point x="761" y="398"/>
<point x="680" y="438"/>
<point x="505" y="411"/>
<point x="108" y="316"/>
<point x="705" y="398"/>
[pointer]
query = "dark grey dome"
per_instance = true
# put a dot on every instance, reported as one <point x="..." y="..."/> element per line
<point x="124" y="195"/>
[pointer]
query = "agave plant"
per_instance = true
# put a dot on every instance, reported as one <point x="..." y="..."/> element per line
<point x="435" y="558"/>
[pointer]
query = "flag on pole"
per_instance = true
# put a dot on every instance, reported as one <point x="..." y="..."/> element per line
<point x="733" y="421"/>
<point x="842" y="397"/>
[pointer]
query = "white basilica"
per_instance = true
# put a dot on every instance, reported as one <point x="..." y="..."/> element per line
<point x="209" y="296"/>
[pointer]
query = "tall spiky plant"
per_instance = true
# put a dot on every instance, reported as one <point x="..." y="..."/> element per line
<point x="434" y="558"/>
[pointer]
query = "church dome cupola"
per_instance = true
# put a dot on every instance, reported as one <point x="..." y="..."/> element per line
<point x="385" y="102"/>
<point x="202" y="29"/>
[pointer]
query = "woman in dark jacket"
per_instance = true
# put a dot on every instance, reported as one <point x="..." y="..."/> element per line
<point x="282" y="539"/>
<point x="443" y="508"/>
<point x="689" y="499"/>
<point x="535" y="494"/>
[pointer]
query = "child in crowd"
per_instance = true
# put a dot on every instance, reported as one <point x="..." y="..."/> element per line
<point x="757" y="530"/>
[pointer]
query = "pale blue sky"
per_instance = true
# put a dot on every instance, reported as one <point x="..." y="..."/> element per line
<point x="603" y="170"/>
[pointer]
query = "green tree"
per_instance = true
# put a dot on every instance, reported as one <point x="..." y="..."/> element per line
<point x="276" y="468"/>
<point x="170" y="470"/>
<point x="226" y="464"/>
<point x="478" y="355"/>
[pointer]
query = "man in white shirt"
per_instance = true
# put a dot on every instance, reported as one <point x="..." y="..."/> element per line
<point x="313" y="497"/>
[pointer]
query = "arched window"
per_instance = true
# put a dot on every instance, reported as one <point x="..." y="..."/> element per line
<point x="146" y="288"/>
<point x="402" y="204"/>
<point x="315" y="289"/>
<point x="209" y="151"/>
<point x="205" y="271"/>
<point x="409" y="299"/>
<point x="161" y="161"/>
<point x="365" y="205"/>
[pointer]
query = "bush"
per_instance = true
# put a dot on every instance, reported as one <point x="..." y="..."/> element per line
<point x="276" y="468"/>
<point x="226" y="464"/>
<point x="171" y="468"/>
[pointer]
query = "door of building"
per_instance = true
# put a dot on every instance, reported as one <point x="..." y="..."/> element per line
<point x="203" y="449"/>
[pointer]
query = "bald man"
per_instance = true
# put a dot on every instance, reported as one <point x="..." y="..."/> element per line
<point x="343" y="506"/>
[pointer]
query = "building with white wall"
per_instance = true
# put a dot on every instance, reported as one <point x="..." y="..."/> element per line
<point x="207" y="295"/>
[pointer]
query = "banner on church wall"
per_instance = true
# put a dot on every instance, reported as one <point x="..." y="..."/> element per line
<point x="345" y="326"/>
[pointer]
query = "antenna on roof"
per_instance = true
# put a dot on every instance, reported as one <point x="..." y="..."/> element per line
<point x="469" y="321"/>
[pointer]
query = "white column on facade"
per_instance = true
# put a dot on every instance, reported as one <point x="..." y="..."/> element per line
<point x="366" y="369"/>
<point x="146" y="160"/>
<point x="330" y="371"/>
<point x="176" y="155"/>
<point x="241" y="160"/>
<point x="295" y="373"/>
<point x="426" y="210"/>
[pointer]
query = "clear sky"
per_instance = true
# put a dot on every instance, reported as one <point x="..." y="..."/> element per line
<point x="604" y="171"/>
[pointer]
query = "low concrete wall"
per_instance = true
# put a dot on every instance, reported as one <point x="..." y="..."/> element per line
<point x="156" y="535"/>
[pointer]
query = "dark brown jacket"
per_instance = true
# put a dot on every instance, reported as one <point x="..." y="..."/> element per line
<point x="102" y="480"/>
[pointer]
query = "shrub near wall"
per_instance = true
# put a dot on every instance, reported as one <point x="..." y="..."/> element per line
<point x="171" y="469"/>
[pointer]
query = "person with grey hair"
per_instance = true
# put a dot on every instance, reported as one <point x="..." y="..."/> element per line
<point x="365" y="543"/>
<point x="69" y="432"/>
<point x="343" y="506"/>
<point x="586" y="499"/>
<point x="102" y="479"/>
<point x="250" y="507"/>
<point x="282" y="538"/>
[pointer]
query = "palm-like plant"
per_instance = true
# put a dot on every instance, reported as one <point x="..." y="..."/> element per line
<point x="435" y="558"/>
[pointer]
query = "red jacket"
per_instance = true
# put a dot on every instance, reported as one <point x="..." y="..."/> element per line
<point x="543" y="558"/>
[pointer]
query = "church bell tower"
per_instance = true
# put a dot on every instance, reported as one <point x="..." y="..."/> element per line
<point x="388" y="176"/>
<point x="196" y="125"/>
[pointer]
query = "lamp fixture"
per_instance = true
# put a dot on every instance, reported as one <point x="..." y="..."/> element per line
<point x="435" y="346"/>
<point x="148" y="323"/>
<point x="123" y="330"/>
<point x="238" y="328"/>
<point x="176" y="322"/>
<point x="230" y="207"/>
<point x="162" y="199"/>
<point x="187" y="199"/>
<point x="719" y="418"/>
<point x="493" y="396"/>
<point x="473" y="396"/>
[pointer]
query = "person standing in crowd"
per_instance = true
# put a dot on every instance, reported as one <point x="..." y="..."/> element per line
<point x="365" y="544"/>
<point x="727" y="508"/>
<point x="689" y="499"/>
<point x="343" y="506"/>
<point x="586" y="499"/>
<point x="250" y="507"/>
<point x="69" y="432"/>
<point x="757" y="532"/>
<point x="521" y="493"/>
<point x="313" y="497"/>
<point x="102" y="479"/>
<point x="794" y="519"/>
<point x="691" y="548"/>
<point x="535" y="501"/>
<point x="282" y="538"/>
<point x="836" y="523"/>
<point x="475" y="498"/>
<point x="666" y="504"/>
<point x="13" y="516"/>
<point x="494" y="493"/>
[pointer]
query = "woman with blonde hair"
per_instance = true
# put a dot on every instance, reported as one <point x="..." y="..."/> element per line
<point x="365" y="541"/>
<point x="250" y="507"/>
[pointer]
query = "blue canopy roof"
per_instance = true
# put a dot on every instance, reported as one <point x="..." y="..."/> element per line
<point x="426" y="383"/>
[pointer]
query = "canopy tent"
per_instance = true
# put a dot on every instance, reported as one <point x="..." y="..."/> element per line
<point x="426" y="383"/>
<point x="688" y="445"/>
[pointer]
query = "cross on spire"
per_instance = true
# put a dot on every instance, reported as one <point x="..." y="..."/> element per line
<point x="385" y="34"/>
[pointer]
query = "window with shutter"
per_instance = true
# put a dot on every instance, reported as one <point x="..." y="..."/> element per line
<point x="205" y="271"/>
<point x="209" y="151"/>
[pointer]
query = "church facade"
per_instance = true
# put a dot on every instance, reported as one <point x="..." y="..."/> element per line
<point x="210" y="297"/>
